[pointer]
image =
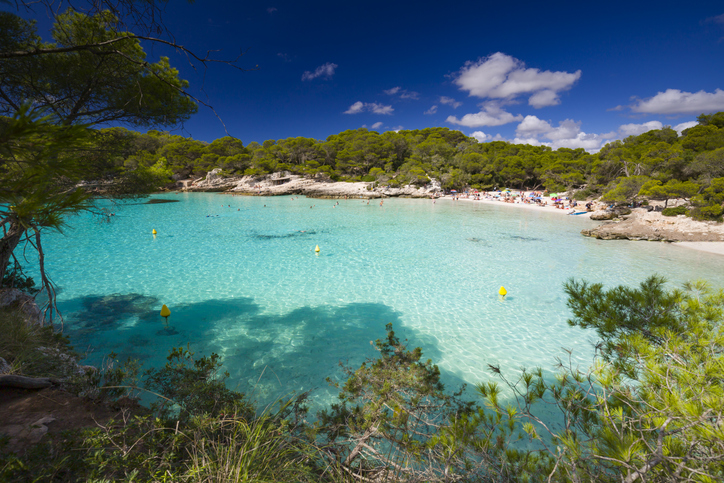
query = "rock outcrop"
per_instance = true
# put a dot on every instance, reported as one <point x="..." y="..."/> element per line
<point x="214" y="181"/>
<point x="653" y="226"/>
<point x="321" y="186"/>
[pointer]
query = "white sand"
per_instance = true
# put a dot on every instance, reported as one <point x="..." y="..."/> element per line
<point x="709" y="247"/>
<point x="549" y="208"/>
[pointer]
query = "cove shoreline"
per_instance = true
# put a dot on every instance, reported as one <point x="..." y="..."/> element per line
<point x="637" y="225"/>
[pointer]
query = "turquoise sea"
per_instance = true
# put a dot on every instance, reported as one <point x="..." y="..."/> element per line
<point x="244" y="281"/>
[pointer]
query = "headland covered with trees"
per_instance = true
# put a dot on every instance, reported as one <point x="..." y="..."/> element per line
<point x="650" y="407"/>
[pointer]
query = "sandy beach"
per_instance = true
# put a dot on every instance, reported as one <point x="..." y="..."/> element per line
<point x="548" y="208"/>
<point x="709" y="247"/>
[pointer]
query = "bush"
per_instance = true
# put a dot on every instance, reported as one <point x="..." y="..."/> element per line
<point x="679" y="210"/>
<point x="193" y="387"/>
<point x="584" y="194"/>
<point x="20" y="344"/>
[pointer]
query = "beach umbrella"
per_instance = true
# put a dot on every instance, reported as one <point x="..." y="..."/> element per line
<point x="453" y="191"/>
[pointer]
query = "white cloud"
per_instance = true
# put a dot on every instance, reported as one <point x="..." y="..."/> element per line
<point x="501" y="76"/>
<point x="325" y="70"/>
<point x="481" y="136"/>
<point x="360" y="106"/>
<point x="531" y="141"/>
<point x="272" y="9"/>
<point x="531" y="125"/>
<point x="590" y="142"/>
<point x="380" y="109"/>
<point x="566" y="130"/>
<point x="627" y="130"/>
<point x="718" y="19"/>
<point x="450" y="102"/>
<point x="432" y="110"/>
<point x="544" y="98"/>
<point x="674" y="101"/>
<point x="398" y="128"/>
<point x="491" y="115"/>
<point x="534" y="127"/>
<point x="377" y="125"/>
<point x="404" y="94"/>
<point x="355" y="108"/>
<point x="567" y="134"/>
<point x="679" y="128"/>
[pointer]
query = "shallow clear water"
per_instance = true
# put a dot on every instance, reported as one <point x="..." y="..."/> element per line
<point x="246" y="283"/>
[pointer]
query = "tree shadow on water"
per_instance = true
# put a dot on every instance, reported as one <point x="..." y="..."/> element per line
<point x="267" y="355"/>
<point x="130" y="325"/>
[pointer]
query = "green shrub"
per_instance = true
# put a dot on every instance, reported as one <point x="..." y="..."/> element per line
<point x="584" y="194"/>
<point x="21" y="342"/>
<point x="193" y="387"/>
<point x="679" y="210"/>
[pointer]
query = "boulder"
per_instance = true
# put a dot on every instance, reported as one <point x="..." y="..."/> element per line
<point x="621" y="211"/>
<point x="603" y="215"/>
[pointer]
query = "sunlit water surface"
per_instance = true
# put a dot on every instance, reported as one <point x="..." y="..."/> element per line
<point x="246" y="283"/>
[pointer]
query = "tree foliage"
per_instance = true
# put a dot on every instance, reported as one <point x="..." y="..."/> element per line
<point x="92" y="73"/>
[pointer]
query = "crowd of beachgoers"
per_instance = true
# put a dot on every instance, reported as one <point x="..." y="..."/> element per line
<point x="529" y="199"/>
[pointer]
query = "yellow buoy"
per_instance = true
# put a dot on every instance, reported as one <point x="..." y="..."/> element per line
<point x="164" y="311"/>
<point x="154" y="231"/>
<point x="502" y="291"/>
<point x="317" y="249"/>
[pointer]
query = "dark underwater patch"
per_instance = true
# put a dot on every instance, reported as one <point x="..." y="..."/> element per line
<point x="524" y="238"/>
<point x="294" y="234"/>
<point x="478" y="240"/>
<point x="157" y="201"/>
<point x="107" y="311"/>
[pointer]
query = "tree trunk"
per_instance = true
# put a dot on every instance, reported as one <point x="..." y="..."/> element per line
<point x="8" y="244"/>
<point x="24" y="382"/>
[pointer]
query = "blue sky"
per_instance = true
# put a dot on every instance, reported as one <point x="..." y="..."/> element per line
<point x="573" y="74"/>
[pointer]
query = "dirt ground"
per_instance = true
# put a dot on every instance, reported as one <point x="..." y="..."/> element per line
<point x="29" y="416"/>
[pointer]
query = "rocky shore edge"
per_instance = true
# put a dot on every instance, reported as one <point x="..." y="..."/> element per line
<point x="653" y="226"/>
<point x="279" y="184"/>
